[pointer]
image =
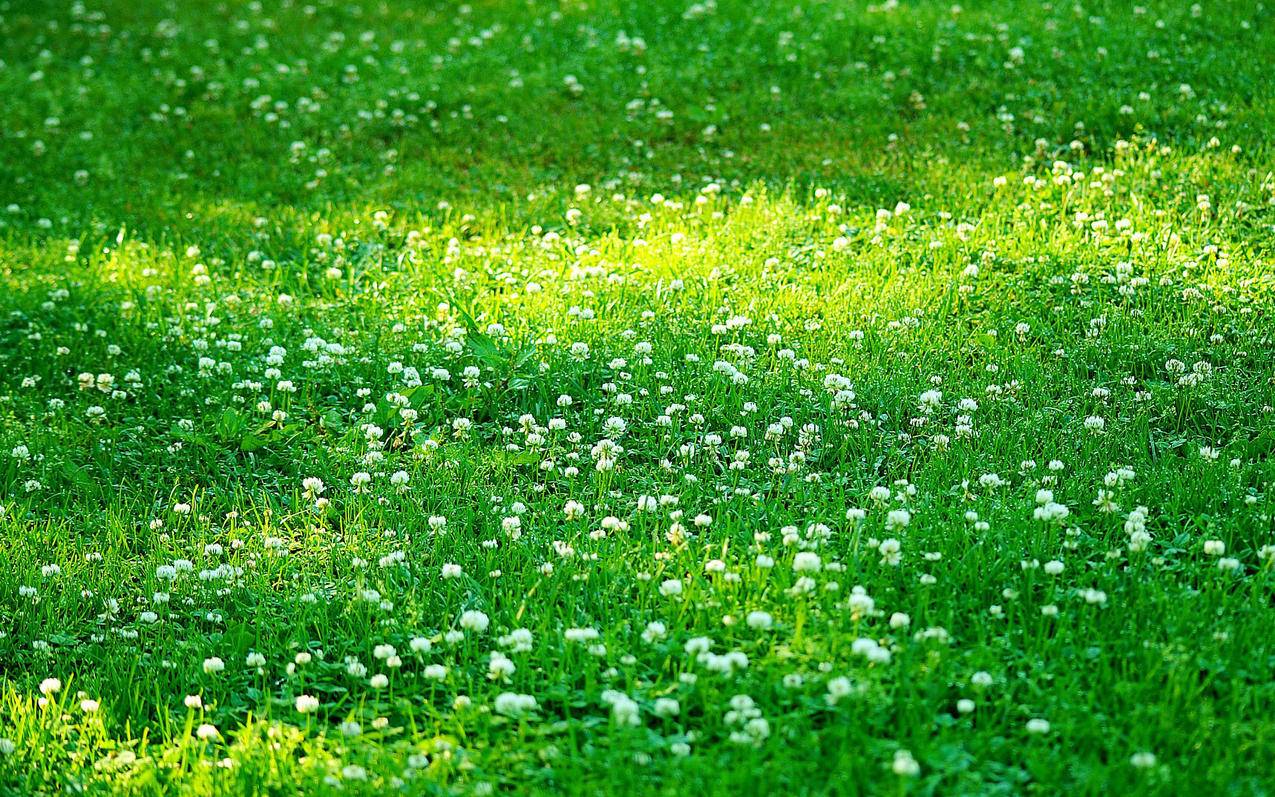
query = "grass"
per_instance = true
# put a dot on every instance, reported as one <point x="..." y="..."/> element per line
<point x="654" y="398"/>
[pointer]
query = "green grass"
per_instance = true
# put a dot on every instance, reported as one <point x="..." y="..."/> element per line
<point x="921" y="367"/>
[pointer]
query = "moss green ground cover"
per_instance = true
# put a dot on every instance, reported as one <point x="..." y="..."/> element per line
<point x="600" y="397"/>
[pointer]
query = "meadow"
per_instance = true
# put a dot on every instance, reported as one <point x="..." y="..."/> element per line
<point x="590" y="397"/>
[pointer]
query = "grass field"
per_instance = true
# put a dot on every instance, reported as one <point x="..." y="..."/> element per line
<point x="598" y="397"/>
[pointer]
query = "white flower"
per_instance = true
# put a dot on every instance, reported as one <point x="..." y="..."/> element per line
<point x="1142" y="760"/>
<point x="904" y="765"/>
<point x="839" y="688"/>
<point x="474" y="620"/>
<point x="1037" y="726"/>
<point x="1051" y="512"/>
<point x="307" y="704"/>
<point x="512" y="704"/>
<point x="500" y="666"/>
<point x="806" y="562"/>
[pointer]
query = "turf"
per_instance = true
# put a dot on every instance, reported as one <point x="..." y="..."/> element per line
<point x="598" y="397"/>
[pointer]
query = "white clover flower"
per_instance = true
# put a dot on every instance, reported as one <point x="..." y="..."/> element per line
<point x="307" y="704"/>
<point x="904" y="765"/>
<point x="474" y="620"/>
<point x="512" y="704"/>
<point x="1037" y="726"/>
<point x="1142" y="760"/>
<point x="806" y="562"/>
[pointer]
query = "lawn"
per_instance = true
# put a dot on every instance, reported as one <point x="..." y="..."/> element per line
<point x="602" y="397"/>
